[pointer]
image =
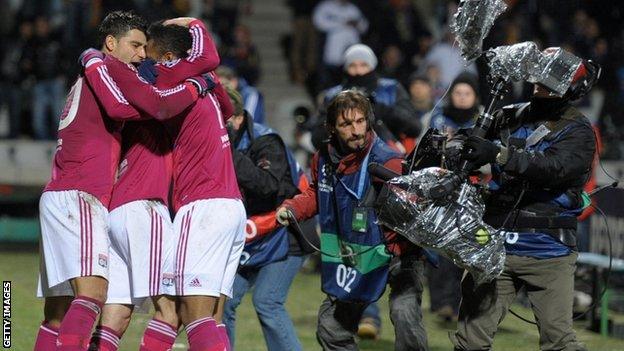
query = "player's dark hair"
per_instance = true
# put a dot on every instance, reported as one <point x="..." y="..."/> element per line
<point x="118" y="23"/>
<point x="173" y="38"/>
<point x="346" y="101"/>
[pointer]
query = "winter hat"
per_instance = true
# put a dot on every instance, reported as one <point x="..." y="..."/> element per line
<point x="360" y="52"/>
<point x="467" y="78"/>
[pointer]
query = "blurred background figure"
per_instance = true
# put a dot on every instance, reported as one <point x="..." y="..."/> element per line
<point x="420" y="92"/>
<point x="342" y="23"/>
<point x="393" y="65"/>
<point x="223" y="15"/>
<point x="49" y="90"/>
<point x="303" y="148"/>
<point x="303" y="51"/>
<point x="447" y="59"/>
<point x="432" y="72"/>
<point x="242" y="55"/>
<point x="393" y="111"/>
<point x="460" y="108"/>
<point x="16" y="75"/>
<point x="252" y="98"/>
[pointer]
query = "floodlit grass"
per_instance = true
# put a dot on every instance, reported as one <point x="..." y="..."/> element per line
<point x="305" y="297"/>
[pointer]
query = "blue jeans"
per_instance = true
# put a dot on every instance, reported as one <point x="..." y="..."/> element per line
<point x="372" y="311"/>
<point x="49" y="93"/>
<point x="270" y="287"/>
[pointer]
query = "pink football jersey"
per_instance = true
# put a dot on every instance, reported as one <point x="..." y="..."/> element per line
<point x="88" y="144"/>
<point x="202" y="156"/>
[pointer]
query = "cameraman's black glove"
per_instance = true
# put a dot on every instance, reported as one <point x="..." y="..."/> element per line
<point x="478" y="152"/>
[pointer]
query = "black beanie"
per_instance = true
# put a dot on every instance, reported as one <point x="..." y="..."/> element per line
<point x="468" y="78"/>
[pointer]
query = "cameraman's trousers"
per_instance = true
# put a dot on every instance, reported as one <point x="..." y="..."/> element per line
<point x="338" y="320"/>
<point x="549" y="284"/>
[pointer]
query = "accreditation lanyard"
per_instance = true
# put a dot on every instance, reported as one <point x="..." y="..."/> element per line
<point x="362" y="178"/>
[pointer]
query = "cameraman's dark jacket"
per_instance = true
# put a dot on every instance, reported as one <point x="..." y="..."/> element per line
<point x="544" y="175"/>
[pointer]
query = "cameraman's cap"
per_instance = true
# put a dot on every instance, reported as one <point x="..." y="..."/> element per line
<point x="360" y="52"/>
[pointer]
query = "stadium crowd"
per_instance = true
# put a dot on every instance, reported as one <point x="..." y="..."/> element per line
<point x="407" y="37"/>
<point x="411" y="39"/>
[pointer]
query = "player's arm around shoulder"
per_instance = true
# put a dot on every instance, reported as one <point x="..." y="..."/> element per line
<point x="203" y="56"/>
<point x="204" y="51"/>
<point x="107" y="92"/>
<point x="156" y="103"/>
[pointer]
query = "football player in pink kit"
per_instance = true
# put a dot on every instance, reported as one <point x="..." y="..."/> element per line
<point x="210" y="217"/>
<point x="142" y="237"/>
<point x="73" y="207"/>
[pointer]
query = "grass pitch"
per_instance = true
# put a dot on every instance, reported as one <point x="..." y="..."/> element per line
<point x="305" y="296"/>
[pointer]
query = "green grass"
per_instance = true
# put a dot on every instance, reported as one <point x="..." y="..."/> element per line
<point x="303" y="302"/>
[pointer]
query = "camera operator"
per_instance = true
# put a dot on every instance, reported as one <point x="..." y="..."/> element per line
<point x="357" y="251"/>
<point x="541" y="157"/>
<point x="395" y="117"/>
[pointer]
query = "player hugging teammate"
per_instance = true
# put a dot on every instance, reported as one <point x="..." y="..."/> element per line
<point x="127" y="136"/>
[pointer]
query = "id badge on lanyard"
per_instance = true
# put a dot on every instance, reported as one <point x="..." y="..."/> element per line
<point x="359" y="218"/>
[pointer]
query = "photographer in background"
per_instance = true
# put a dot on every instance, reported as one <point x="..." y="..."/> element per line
<point x="359" y="255"/>
<point x="541" y="158"/>
<point x="395" y="116"/>
<point x="267" y="174"/>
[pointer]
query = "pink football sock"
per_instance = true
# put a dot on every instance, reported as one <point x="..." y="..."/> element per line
<point x="158" y="336"/>
<point x="46" y="338"/>
<point x="76" y="327"/>
<point x="224" y="336"/>
<point x="105" y="339"/>
<point x="203" y="335"/>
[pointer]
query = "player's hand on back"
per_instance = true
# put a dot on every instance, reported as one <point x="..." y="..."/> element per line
<point x="148" y="71"/>
<point x="203" y="83"/>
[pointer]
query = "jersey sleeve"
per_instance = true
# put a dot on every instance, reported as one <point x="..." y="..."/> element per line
<point x="147" y="99"/>
<point x="108" y="94"/>
<point x="202" y="58"/>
